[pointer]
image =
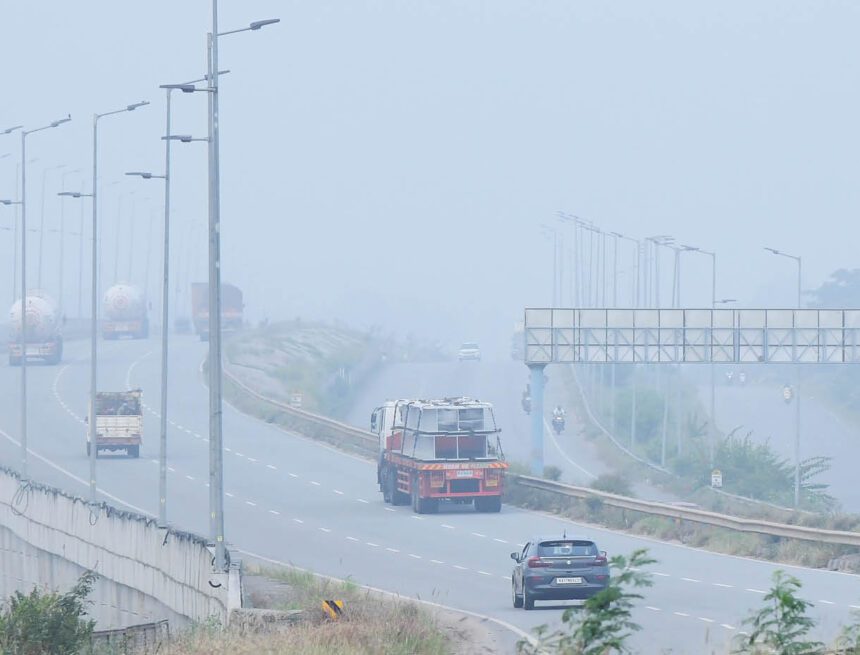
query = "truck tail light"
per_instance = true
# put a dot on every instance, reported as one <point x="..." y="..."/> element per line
<point x="537" y="563"/>
<point x="437" y="479"/>
<point x="492" y="479"/>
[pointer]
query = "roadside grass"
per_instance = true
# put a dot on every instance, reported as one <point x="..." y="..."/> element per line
<point x="370" y="623"/>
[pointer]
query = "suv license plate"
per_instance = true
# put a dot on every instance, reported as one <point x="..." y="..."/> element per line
<point x="568" y="580"/>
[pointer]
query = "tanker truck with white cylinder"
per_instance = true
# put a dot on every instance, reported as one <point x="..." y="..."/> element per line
<point x="125" y="313"/>
<point x="44" y="340"/>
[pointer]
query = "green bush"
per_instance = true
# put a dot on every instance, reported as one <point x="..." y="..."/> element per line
<point x="47" y="623"/>
<point x="613" y="483"/>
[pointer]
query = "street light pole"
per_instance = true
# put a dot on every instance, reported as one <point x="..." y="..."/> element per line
<point x="799" y="261"/>
<point x="94" y="299"/>
<point x="23" y="334"/>
<point x="63" y="239"/>
<point x="42" y="221"/>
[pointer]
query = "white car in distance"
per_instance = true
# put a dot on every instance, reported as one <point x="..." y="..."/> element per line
<point x="469" y="350"/>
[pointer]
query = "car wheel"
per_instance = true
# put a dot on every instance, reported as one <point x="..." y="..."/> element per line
<point x="528" y="601"/>
<point x="518" y="600"/>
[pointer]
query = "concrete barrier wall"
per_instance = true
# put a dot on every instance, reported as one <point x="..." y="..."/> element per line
<point x="48" y="538"/>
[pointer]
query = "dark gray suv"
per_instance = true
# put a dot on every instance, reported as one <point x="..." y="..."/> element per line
<point x="553" y="568"/>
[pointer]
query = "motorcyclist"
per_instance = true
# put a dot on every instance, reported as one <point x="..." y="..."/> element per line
<point x="558" y="413"/>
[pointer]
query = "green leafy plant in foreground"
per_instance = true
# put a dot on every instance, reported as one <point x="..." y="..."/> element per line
<point x="47" y="623"/>
<point x="781" y="626"/>
<point x="604" y="624"/>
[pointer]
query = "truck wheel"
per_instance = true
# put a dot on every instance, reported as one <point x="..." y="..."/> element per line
<point x="488" y="504"/>
<point x="385" y="486"/>
<point x="397" y="497"/>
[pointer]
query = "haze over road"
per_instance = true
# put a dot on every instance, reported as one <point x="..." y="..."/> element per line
<point x="295" y="500"/>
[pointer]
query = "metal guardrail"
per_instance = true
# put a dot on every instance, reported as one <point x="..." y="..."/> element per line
<point x="703" y="517"/>
<point x="143" y="639"/>
<point x="361" y="437"/>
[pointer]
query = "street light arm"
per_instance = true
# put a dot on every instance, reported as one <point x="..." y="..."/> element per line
<point x="12" y="129"/>
<point x="256" y="25"/>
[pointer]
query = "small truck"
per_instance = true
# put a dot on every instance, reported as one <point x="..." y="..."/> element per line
<point x="118" y="422"/>
<point x="439" y="450"/>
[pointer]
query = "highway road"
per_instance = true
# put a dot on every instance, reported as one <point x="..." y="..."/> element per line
<point x="294" y="500"/>
<point x="761" y="409"/>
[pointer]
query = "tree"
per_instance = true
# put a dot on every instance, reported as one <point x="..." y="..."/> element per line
<point x="47" y="623"/>
<point x="781" y="626"/>
<point x="841" y="289"/>
<point x="605" y="622"/>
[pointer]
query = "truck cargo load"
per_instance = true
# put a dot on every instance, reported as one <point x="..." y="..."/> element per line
<point x="232" y="308"/>
<point x="43" y="330"/>
<point x="118" y="422"/>
<point x="124" y="313"/>
<point x="435" y="450"/>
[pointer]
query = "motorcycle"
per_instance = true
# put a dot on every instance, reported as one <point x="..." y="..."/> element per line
<point x="558" y="424"/>
<point x="527" y="404"/>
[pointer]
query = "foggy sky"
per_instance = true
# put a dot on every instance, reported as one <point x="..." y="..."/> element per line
<point x="389" y="162"/>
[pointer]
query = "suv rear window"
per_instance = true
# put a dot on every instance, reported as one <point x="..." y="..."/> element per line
<point x="567" y="548"/>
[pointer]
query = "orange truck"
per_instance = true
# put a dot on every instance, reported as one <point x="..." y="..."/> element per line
<point x="434" y="451"/>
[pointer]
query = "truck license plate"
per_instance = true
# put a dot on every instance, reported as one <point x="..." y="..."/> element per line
<point x="568" y="580"/>
<point x="464" y="473"/>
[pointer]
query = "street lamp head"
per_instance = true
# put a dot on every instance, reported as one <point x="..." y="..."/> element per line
<point x="773" y="250"/>
<point x="9" y="202"/>
<point x="257" y="24"/>
<point x="690" y="248"/>
<point x="145" y="176"/>
<point x="12" y="129"/>
<point x="184" y="138"/>
<point x="61" y="121"/>
<point x="75" y="194"/>
<point x="134" y="106"/>
<point x="185" y="88"/>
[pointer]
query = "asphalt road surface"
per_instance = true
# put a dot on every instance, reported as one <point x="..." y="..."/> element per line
<point x="294" y="500"/>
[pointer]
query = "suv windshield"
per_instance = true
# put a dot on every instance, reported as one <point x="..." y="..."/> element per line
<point x="567" y="548"/>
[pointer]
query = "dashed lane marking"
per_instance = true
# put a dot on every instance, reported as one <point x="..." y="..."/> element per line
<point x="338" y="492"/>
<point x="362" y="500"/>
<point x="478" y="534"/>
<point x="447" y="527"/>
<point x="270" y="466"/>
<point x="371" y="544"/>
<point x="727" y="626"/>
<point x="392" y="550"/>
<point x="390" y="509"/>
<point x="724" y="586"/>
<point x="826" y="602"/>
<point x="275" y="512"/>
<point x="437" y="561"/>
<point x="706" y="620"/>
<point x="755" y="591"/>
<point x="501" y="541"/>
<point x="414" y="556"/>
<point x="251" y="503"/>
<point x="461" y="568"/>
<point x="690" y="580"/>
<point x="484" y="573"/>
<point x="351" y="539"/>
<point x="326" y="530"/>
<point x="653" y="609"/>
<point x="680" y="614"/>
<point x="298" y="521"/>
<point x="315" y="483"/>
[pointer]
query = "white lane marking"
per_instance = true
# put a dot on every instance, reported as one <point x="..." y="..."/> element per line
<point x="826" y="602"/>
<point x="326" y="530"/>
<point x="371" y="544"/>
<point x="680" y="614"/>
<point x="437" y="561"/>
<point x="315" y="483"/>
<point x="448" y="527"/>
<point x="414" y="556"/>
<point x="418" y="518"/>
<point x="228" y="494"/>
<point x="653" y="609"/>
<point x="269" y="466"/>
<point x="728" y="626"/>
<point x="227" y="449"/>
<point x="390" y="509"/>
<point x="298" y="521"/>
<point x="362" y="500"/>
<point x="724" y="586"/>
<point x="461" y="568"/>
<point x="351" y="539"/>
<point x="484" y="573"/>
<point x="252" y="504"/>
<point x="292" y="475"/>
<point x="501" y="541"/>
<point x="338" y="492"/>
<point x="238" y="454"/>
<point x="392" y="550"/>
<point x="251" y="459"/>
<point x="706" y="620"/>
<point x="854" y="607"/>
<point x="690" y="580"/>
<point x="275" y="512"/>
<point x="755" y="591"/>
<point x="189" y="478"/>
<point x="517" y="631"/>
<point x="154" y="461"/>
<point x="548" y="430"/>
<point x="478" y="534"/>
<point x="662" y="575"/>
<point x="171" y="469"/>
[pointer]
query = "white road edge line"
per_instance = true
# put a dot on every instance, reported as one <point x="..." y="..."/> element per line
<point x="504" y="624"/>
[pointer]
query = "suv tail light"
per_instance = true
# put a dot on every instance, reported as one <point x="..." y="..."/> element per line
<point x="600" y="560"/>
<point x="537" y="563"/>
